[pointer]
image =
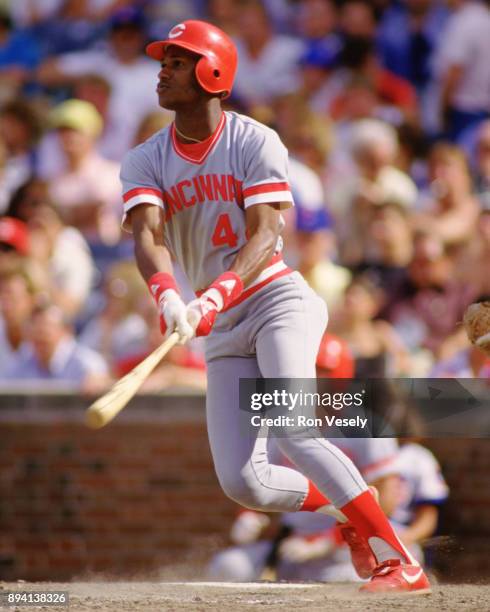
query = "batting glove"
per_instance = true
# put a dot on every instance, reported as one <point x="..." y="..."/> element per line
<point x="172" y="310"/>
<point x="201" y="312"/>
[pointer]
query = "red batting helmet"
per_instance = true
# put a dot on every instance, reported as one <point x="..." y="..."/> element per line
<point x="215" y="70"/>
<point x="335" y="357"/>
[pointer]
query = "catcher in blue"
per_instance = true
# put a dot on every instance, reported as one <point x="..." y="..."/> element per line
<point x="207" y="191"/>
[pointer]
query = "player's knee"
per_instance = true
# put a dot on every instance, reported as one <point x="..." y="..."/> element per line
<point x="247" y="493"/>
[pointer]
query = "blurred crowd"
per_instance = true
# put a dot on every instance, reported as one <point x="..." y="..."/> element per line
<point x="384" y="107"/>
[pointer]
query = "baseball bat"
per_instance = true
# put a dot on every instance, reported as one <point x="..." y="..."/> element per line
<point x="104" y="409"/>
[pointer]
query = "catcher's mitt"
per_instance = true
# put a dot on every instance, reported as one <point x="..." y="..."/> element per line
<point x="477" y="325"/>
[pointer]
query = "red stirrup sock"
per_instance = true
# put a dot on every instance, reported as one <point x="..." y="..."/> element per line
<point x="314" y="499"/>
<point x="371" y="523"/>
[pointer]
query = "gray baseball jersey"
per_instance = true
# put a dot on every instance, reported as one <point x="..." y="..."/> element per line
<point x="204" y="196"/>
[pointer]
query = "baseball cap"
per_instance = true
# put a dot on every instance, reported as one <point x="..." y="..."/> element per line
<point x="78" y="115"/>
<point x="15" y="234"/>
<point x="323" y="53"/>
<point x="312" y="220"/>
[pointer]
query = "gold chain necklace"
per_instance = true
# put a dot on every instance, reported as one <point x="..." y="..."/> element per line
<point x="184" y="136"/>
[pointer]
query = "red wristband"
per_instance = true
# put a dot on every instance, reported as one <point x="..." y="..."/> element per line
<point x="160" y="282"/>
<point x="229" y="285"/>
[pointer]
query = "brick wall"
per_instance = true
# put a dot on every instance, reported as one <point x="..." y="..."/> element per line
<point x="141" y="495"/>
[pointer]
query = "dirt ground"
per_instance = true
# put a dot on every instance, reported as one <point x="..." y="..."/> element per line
<point x="271" y="597"/>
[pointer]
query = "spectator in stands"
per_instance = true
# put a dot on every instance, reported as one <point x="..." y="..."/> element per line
<point x="450" y="210"/>
<point x="472" y="263"/>
<point x="412" y="153"/>
<point x="409" y="32"/>
<point x="61" y="256"/>
<point x="162" y="16"/>
<point x="317" y="19"/>
<point x="469" y="362"/>
<point x="317" y="26"/>
<point x="267" y="65"/>
<point x="53" y="354"/>
<point x="374" y="148"/>
<point x="376" y="346"/>
<point x="359" y="59"/>
<point x="74" y="27"/>
<point x="431" y="312"/>
<point x="313" y="243"/>
<point x="320" y="82"/>
<point x="422" y="491"/>
<point x="388" y="252"/>
<point x="91" y="88"/>
<point x="357" y="19"/>
<point x="308" y="135"/>
<point x="224" y="15"/>
<point x="462" y="67"/>
<point x="19" y="56"/>
<point x="482" y="179"/>
<point x="17" y="298"/>
<point x="20" y="130"/>
<point x="123" y="65"/>
<point x="87" y="190"/>
<point x="26" y="14"/>
<point x="118" y="332"/>
<point x="151" y="124"/>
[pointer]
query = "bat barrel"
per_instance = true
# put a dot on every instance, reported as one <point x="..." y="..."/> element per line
<point x="94" y="418"/>
<point x="103" y="410"/>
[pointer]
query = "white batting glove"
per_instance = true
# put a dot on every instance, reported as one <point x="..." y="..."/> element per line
<point x="173" y="316"/>
<point x="202" y="312"/>
<point x="171" y="308"/>
<point x="296" y="549"/>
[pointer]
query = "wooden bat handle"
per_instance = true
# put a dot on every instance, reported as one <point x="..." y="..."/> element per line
<point x="104" y="409"/>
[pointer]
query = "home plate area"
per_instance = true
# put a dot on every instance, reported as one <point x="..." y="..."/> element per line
<point x="227" y="597"/>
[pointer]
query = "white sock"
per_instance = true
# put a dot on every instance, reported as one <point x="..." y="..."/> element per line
<point x="384" y="552"/>
<point x="331" y="510"/>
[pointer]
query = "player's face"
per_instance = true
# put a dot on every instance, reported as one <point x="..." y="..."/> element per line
<point x="177" y="84"/>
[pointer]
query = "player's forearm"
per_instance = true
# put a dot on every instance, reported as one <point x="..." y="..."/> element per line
<point x="255" y="255"/>
<point x="150" y="253"/>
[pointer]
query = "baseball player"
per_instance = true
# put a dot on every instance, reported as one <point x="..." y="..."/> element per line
<point x="208" y="191"/>
<point x="422" y="491"/>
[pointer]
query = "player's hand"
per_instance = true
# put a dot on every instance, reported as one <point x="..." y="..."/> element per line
<point x="297" y="549"/>
<point x="171" y="308"/>
<point x="173" y="316"/>
<point x="201" y="312"/>
<point x="201" y="315"/>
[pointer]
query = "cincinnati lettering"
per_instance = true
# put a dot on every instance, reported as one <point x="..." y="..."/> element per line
<point x="200" y="189"/>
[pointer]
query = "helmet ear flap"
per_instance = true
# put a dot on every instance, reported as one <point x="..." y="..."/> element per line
<point x="210" y="77"/>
